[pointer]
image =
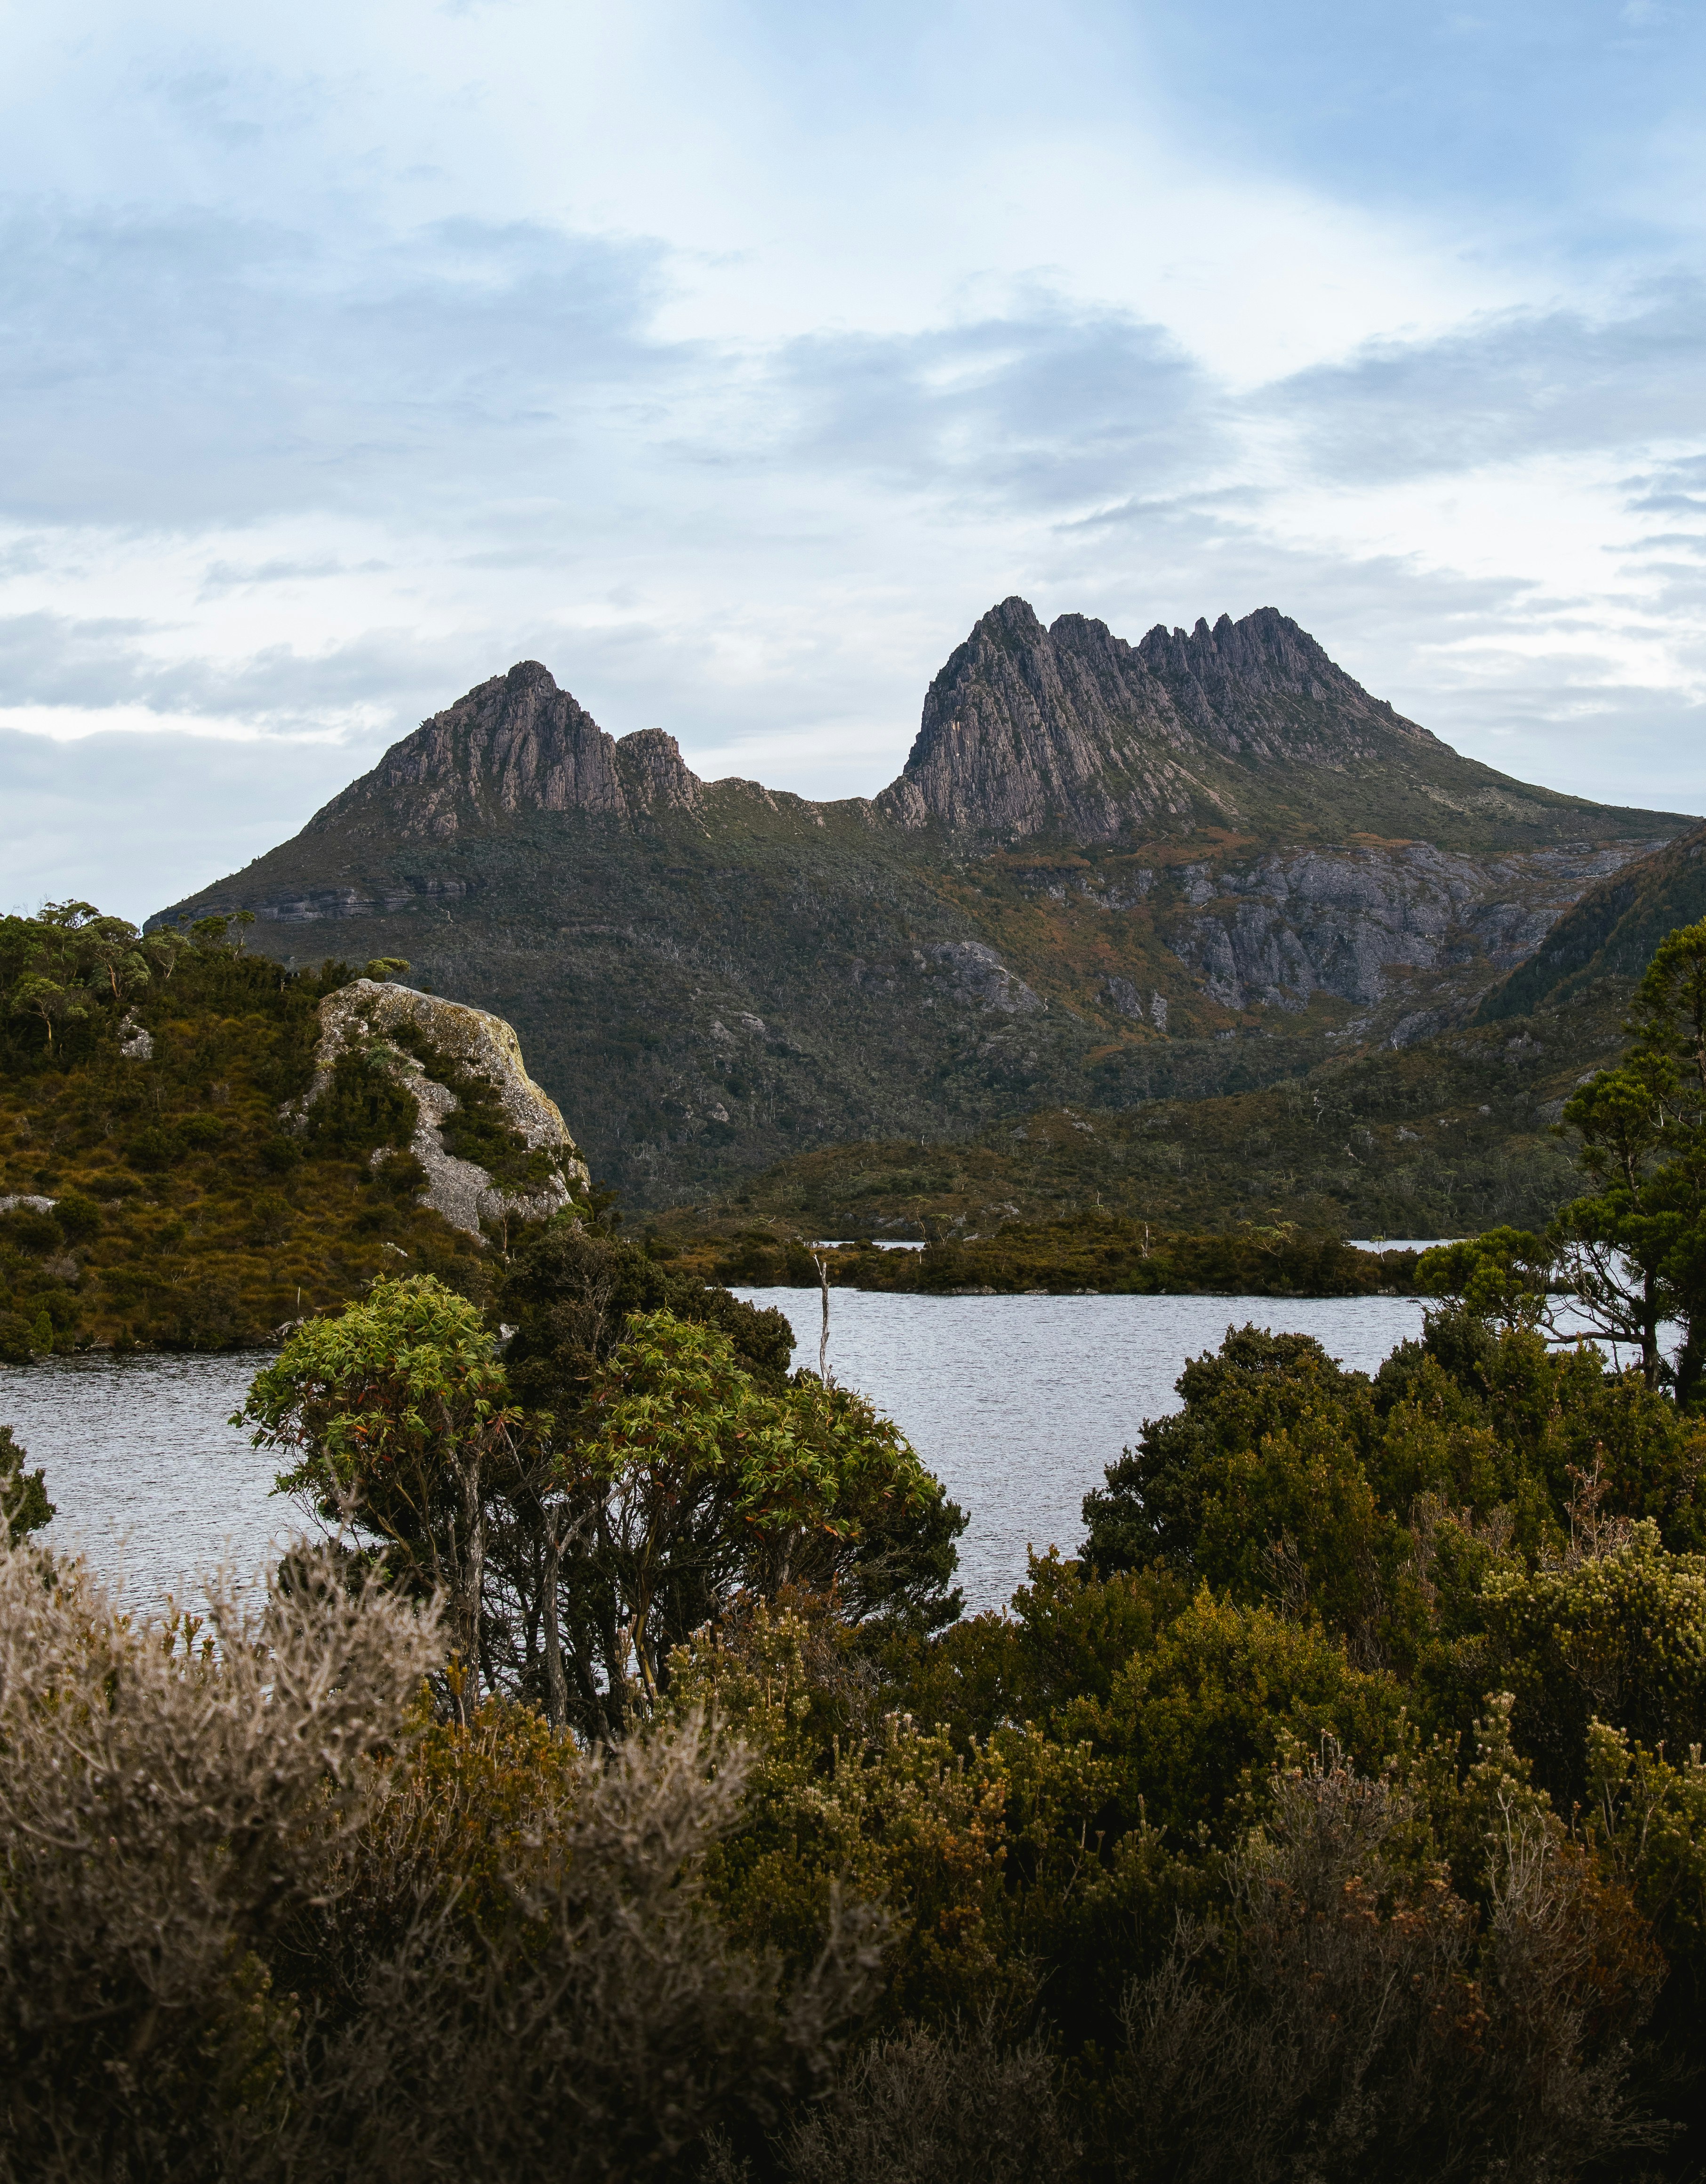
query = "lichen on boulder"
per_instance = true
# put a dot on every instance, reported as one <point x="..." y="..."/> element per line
<point x="463" y="1068"/>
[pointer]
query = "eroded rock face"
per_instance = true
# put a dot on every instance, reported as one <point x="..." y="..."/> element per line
<point x="1070" y="730"/>
<point x="1350" y="923"/>
<point x="979" y="974"/>
<point x="368" y="1013"/>
<point x="515" y="743"/>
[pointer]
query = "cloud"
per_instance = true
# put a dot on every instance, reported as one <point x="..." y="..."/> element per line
<point x="1503" y="391"/>
<point x="193" y="368"/>
<point x="1029" y="412"/>
<point x="732" y="364"/>
<point x="133" y="822"/>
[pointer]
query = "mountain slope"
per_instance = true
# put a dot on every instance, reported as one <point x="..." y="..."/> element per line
<point x="1612" y="931"/>
<point x="1442" y="1139"/>
<point x="1108" y="873"/>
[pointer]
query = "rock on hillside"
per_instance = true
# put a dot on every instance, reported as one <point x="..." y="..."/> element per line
<point x="482" y="1052"/>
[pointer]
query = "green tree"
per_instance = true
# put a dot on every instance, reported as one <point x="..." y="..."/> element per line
<point x="37" y="994"/>
<point x="1202" y="1716"/>
<point x="1617" y="1637"/>
<point x="1634" y="1248"/>
<point x="396" y="1411"/>
<point x="24" y="1504"/>
<point x="1152" y="1511"/>
<point x="573" y="1291"/>
<point x="1502" y="1275"/>
<point x="694" y="1484"/>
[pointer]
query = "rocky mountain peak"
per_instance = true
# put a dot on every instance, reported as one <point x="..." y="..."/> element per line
<point x="1071" y="730"/>
<point x="516" y="743"/>
<point x="1067" y="729"/>
<point x="653" y="774"/>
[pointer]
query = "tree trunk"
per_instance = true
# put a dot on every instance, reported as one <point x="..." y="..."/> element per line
<point x="1691" y="1360"/>
<point x="472" y="1577"/>
<point x="1649" y="1330"/>
<point x="556" y="1686"/>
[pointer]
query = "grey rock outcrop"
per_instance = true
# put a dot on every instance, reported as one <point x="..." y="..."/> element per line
<point x="979" y="974"/>
<point x="515" y="743"/>
<point x="361" y="1015"/>
<point x="1350" y="922"/>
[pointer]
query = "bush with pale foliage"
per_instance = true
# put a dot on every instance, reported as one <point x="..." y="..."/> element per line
<point x="261" y="1917"/>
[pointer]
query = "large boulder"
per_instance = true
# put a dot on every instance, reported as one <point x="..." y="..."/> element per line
<point x="367" y="1016"/>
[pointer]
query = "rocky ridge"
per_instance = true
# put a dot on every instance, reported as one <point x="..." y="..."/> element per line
<point x="1072" y="732"/>
<point x="515" y="743"/>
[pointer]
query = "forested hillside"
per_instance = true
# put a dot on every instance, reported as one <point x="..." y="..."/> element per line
<point x="1454" y="1134"/>
<point x="140" y="1084"/>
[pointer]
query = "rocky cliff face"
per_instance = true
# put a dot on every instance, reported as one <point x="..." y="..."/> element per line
<point x="366" y="1015"/>
<point x="1612" y="931"/>
<point x="1274" y="932"/>
<point x="1070" y="732"/>
<point x="1028" y="730"/>
<point x="515" y="743"/>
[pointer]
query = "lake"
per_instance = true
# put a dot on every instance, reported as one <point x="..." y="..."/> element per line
<point x="1016" y="1403"/>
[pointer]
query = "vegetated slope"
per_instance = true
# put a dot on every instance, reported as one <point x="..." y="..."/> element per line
<point x="185" y="1215"/>
<point x="1108" y="874"/>
<point x="1445" y="1138"/>
<point x="1098" y="1254"/>
<point x="1611" y="931"/>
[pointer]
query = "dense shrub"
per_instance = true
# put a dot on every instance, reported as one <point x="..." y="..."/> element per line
<point x="261" y="1917"/>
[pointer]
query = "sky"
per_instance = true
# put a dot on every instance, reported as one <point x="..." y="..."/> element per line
<point x="732" y="359"/>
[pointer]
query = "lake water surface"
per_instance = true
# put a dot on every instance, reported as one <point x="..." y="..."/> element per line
<point x="1017" y="1404"/>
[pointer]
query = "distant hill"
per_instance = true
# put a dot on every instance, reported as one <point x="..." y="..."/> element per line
<point x="1108" y="873"/>
<point x="1611" y="931"/>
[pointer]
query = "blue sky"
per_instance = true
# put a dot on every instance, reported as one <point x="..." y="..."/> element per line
<point x="732" y="359"/>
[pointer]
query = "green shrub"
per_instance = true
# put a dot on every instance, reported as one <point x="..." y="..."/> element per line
<point x="79" y="1218"/>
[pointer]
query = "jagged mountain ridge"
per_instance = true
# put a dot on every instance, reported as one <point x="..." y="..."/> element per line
<point x="516" y="743"/>
<point x="1072" y="730"/>
<point x="1067" y="732"/>
<point x="1172" y="868"/>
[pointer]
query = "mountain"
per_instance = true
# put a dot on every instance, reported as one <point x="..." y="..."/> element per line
<point x="1611" y="933"/>
<point x="1108" y="873"/>
<point x="1072" y="732"/>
